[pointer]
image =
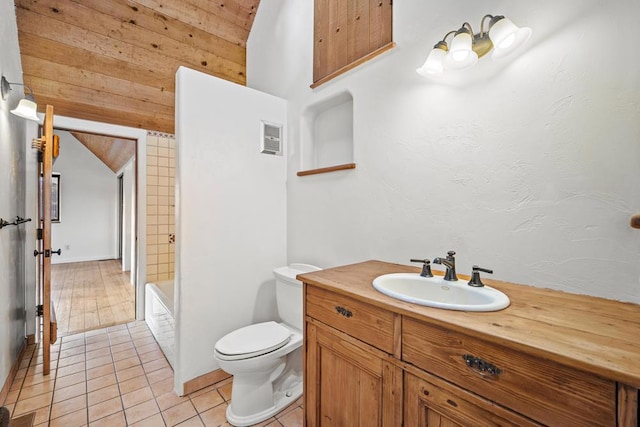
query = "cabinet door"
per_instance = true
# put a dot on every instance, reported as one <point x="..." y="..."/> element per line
<point x="430" y="401"/>
<point x="349" y="383"/>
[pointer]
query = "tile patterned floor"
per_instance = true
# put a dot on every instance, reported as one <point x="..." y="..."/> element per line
<point x="117" y="376"/>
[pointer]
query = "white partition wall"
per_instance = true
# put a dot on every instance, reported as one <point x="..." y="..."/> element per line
<point x="230" y="215"/>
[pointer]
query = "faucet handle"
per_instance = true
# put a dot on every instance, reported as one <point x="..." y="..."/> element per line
<point x="426" y="267"/>
<point x="475" y="276"/>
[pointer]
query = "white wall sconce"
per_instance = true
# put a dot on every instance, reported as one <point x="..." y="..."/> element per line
<point x="502" y="36"/>
<point x="27" y="107"/>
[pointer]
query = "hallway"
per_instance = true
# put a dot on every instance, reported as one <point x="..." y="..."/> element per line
<point x="91" y="295"/>
<point x="117" y="377"/>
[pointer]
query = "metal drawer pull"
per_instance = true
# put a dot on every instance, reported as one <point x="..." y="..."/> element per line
<point x="480" y="366"/>
<point x="344" y="311"/>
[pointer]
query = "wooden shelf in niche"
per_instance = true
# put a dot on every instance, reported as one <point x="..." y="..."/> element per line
<point x="327" y="169"/>
<point x="326" y="132"/>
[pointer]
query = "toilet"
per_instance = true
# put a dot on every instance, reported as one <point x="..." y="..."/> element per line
<point x="265" y="359"/>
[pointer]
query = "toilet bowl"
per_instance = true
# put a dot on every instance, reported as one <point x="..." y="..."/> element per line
<point x="265" y="358"/>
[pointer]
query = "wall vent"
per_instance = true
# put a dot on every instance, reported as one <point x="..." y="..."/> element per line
<point x="271" y="139"/>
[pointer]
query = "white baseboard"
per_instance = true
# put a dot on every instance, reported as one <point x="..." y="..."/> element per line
<point x="82" y="259"/>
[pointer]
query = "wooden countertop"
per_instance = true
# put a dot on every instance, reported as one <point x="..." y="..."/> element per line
<point x="593" y="334"/>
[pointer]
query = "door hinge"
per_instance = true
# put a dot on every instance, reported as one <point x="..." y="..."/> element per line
<point x="39" y="310"/>
<point x="39" y="237"/>
<point x="40" y="157"/>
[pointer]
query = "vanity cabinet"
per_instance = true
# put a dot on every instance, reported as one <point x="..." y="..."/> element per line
<point x="374" y="361"/>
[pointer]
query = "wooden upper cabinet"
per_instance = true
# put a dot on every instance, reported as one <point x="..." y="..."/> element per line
<point x="348" y="33"/>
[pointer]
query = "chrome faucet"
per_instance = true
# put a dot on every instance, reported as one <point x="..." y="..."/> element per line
<point x="450" y="263"/>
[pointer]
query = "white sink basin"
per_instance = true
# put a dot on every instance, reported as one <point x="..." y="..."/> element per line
<point x="440" y="293"/>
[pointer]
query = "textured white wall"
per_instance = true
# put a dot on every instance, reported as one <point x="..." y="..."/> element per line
<point x="529" y="166"/>
<point x="88" y="205"/>
<point x="12" y="203"/>
<point x="230" y="215"/>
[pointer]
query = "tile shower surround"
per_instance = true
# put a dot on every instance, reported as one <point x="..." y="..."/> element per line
<point x="160" y="206"/>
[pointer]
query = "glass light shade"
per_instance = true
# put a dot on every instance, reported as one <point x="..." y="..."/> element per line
<point x="461" y="54"/>
<point x="26" y="109"/>
<point x="507" y="37"/>
<point x="434" y="64"/>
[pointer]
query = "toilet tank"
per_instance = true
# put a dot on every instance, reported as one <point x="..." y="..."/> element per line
<point x="289" y="292"/>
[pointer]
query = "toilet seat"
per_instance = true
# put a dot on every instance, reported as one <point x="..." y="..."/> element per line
<point x="253" y="340"/>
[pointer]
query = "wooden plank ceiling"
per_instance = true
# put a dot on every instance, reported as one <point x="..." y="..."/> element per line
<point x="115" y="61"/>
<point x="114" y="152"/>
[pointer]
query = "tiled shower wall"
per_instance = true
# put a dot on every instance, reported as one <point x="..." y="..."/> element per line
<point x="160" y="206"/>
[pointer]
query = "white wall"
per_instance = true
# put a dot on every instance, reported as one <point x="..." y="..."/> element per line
<point x="230" y="215"/>
<point x="529" y="166"/>
<point x="12" y="203"/>
<point x="87" y="230"/>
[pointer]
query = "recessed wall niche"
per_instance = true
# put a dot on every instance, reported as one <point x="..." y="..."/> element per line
<point x="327" y="135"/>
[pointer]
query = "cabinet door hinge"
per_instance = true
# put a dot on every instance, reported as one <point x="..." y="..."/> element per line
<point x="39" y="237"/>
<point x="39" y="310"/>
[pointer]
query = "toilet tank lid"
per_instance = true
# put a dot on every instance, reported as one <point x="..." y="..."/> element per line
<point x="292" y="270"/>
<point x="256" y="338"/>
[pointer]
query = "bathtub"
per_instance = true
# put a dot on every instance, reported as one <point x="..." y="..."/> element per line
<point x="159" y="315"/>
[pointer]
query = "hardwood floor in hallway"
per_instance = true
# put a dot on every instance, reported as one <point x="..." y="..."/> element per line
<point x="91" y="295"/>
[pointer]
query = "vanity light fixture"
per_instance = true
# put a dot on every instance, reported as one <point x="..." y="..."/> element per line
<point x="502" y="36"/>
<point x="27" y="106"/>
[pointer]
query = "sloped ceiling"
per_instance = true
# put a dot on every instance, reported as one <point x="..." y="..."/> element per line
<point x="113" y="152"/>
<point x="115" y="61"/>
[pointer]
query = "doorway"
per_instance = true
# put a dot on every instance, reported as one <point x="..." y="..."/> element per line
<point x="91" y="280"/>
<point x="137" y="254"/>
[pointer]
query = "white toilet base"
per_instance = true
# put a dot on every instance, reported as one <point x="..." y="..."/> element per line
<point x="290" y="391"/>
